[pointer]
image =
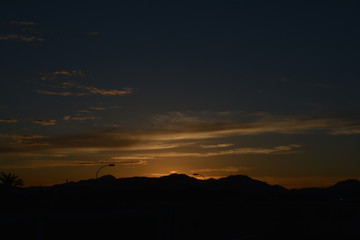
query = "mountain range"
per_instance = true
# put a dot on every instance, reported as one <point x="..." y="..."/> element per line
<point x="180" y="187"/>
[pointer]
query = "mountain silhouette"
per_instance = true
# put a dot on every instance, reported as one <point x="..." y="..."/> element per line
<point x="241" y="184"/>
<point x="178" y="206"/>
<point x="179" y="182"/>
<point x="246" y="184"/>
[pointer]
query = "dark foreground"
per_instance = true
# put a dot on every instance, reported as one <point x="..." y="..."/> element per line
<point x="179" y="208"/>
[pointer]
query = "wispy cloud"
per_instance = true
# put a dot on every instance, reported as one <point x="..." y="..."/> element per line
<point x="68" y="73"/>
<point x="22" y="31"/>
<point x="8" y="121"/>
<point x="65" y="94"/>
<point x="236" y="151"/>
<point x="23" y="23"/>
<point x="102" y="108"/>
<point x="131" y="158"/>
<point x="97" y="108"/>
<point x="107" y="92"/>
<point x="66" y="163"/>
<point x="62" y="74"/>
<point x="179" y="126"/>
<point x="67" y="82"/>
<point x="29" y="140"/>
<point x="220" y="145"/>
<point x="20" y="37"/>
<point x="45" y="122"/>
<point x="78" y="118"/>
<point x="134" y="162"/>
<point x="346" y="130"/>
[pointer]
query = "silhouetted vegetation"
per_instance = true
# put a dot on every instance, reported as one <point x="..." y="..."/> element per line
<point x="10" y="180"/>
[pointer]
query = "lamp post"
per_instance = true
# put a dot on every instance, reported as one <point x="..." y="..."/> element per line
<point x="198" y="174"/>
<point x="106" y="165"/>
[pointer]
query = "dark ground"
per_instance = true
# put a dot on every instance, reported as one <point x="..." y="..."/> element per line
<point x="180" y="207"/>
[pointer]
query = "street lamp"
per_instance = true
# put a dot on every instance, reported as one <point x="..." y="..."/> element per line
<point x="198" y="174"/>
<point x="106" y="165"/>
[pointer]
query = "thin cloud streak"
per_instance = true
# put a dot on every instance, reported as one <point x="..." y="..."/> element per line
<point x="8" y="121"/>
<point x="20" y="38"/>
<point x="107" y="92"/>
<point x="237" y="151"/>
<point x="86" y="90"/>
<point x="211" y="130"/>
<point x="221" y="145"/>
<point x="68" y="73"/>
<point x="56" y="163"/>
<point x="131" y="158"/>
<point x="64" y="94"/>
<point x="97" y="108"/>
<point x="22" y="23"/>
<point x="45" y="122"/>
<point x="65" y="79"/>
<point x="135" y="162"/>
<point x="67" y="118"/>
<point x="62" y="74"/>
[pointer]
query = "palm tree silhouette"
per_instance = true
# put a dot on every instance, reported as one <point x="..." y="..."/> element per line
<point x="10" y="180"/>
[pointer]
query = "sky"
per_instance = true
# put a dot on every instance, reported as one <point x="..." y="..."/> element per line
<point x="268" y="89"/>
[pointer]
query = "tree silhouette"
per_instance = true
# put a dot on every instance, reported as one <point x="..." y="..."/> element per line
<point x="10" y="180"/>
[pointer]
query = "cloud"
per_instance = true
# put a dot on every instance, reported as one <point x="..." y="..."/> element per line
<point x="65" y="94"/>
<point x="66" y="163"/>
<point x="61" y="75"/>
<point x="8" y="121"/>
<point x="236" y="151"/>
<point x="135" y="162"/>
<point x="131" y="158"/>
<point x="21" y="139"/>
<point x="45" y="122"/>
<point x="22" y="31"/>
<point x="23" y="23"/>
<point x="80" y="143"/>
<point x="68" y="73"/>
<point x="108" y="92"/>
<point x="179" y="126"/>
<point x="24" y="136"/>
<point x="221" y="145"/>
<point x="29" y="140"/>
<point x="68" y="80"/>
<point x="346" y="130"/>
<point x="103" y="108"/>
<point x="77" y="118"/>
<point x="97" y="108"/>
<point x="22" y="38"/>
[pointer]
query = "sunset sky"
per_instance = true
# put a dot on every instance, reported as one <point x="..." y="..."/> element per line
<point x="268" y="89"/>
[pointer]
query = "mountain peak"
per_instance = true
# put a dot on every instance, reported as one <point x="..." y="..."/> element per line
<point x="177" y="177"/>
<point x="107" y="178"/>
